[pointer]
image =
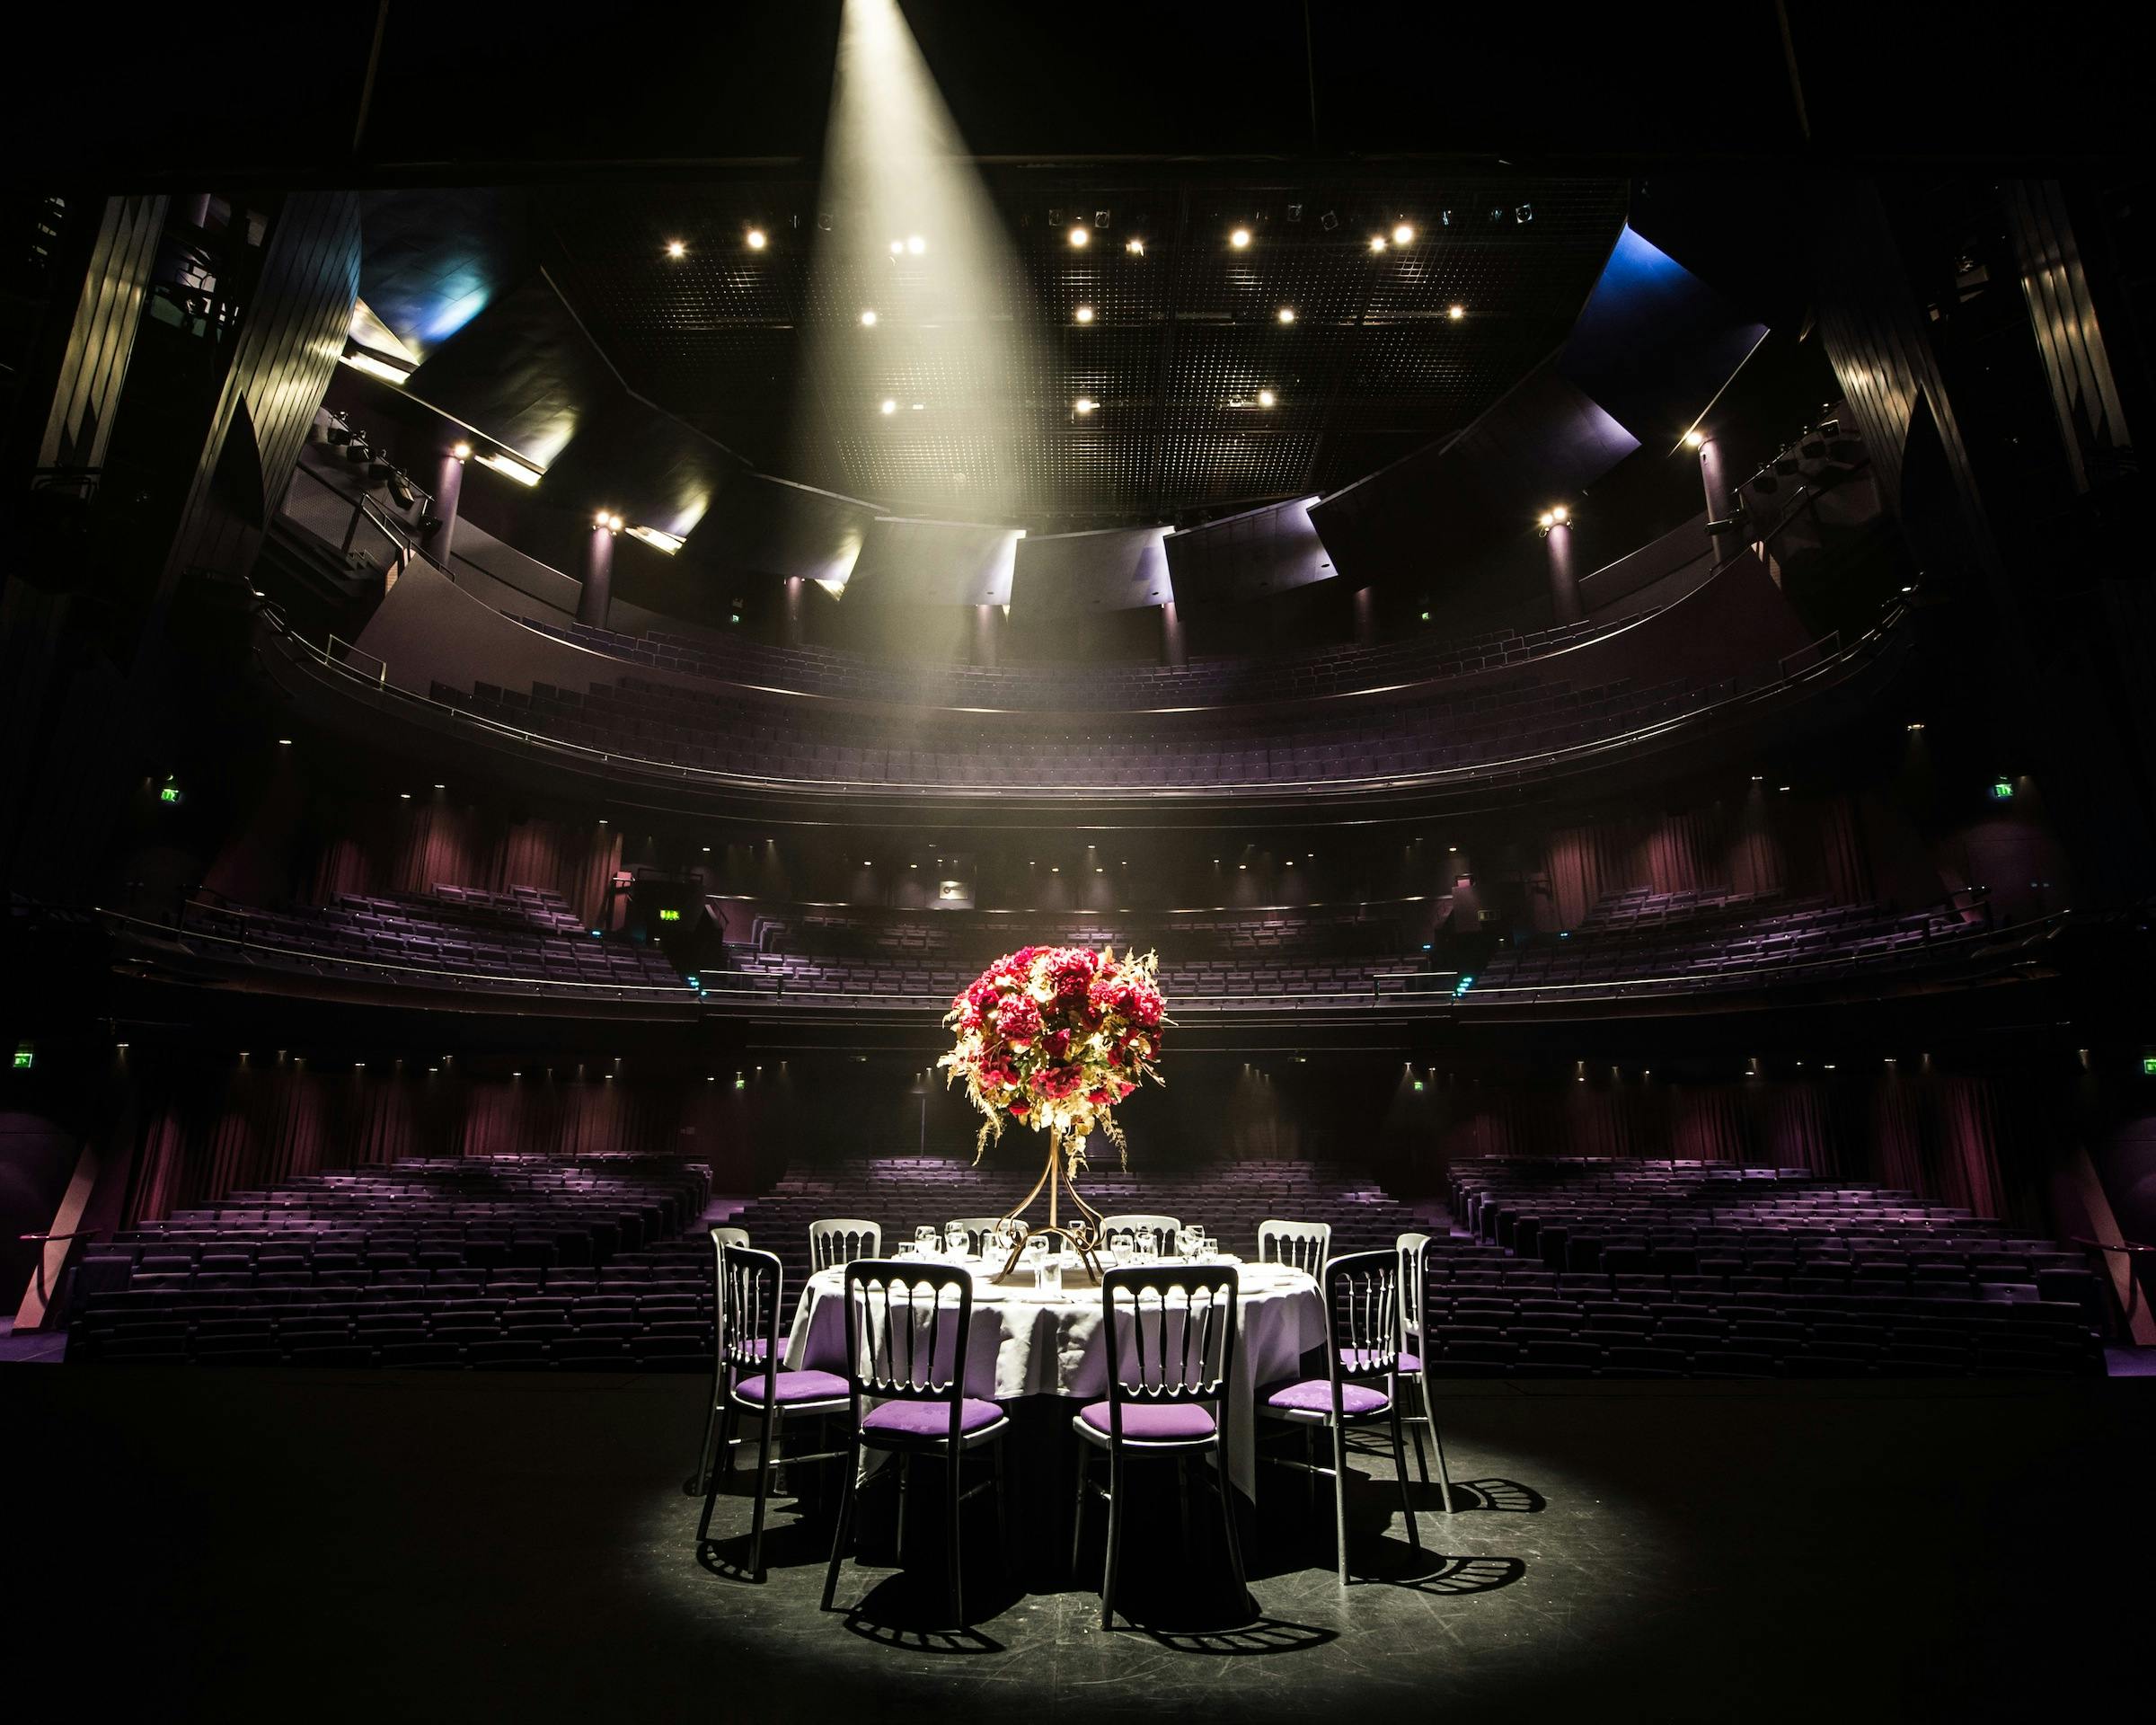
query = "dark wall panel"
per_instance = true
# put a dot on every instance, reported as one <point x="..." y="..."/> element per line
<point x="1248" y="556"/>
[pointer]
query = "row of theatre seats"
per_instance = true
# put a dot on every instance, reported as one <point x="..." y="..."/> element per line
<point x="450" y="939"/>
<point x="773" y="737"/>
<point x="1572" y="1267"/>
<point x="1685" y="943"/>
<point x="1107" y="687"/>
<point x="588" y="1262"/>
<point x="1554" y="1267"/>
<point x="1289" y="983"/>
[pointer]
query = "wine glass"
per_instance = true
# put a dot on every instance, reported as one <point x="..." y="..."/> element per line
<point x="1121" y="1247"/>
<point x="1188" y="1239"/>
<point x="1148" y="1244"/>
<point x="955" y="1241"/>
<point x="926" y="1237"/>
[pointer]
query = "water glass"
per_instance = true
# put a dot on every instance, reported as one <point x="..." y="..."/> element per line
<point x="1210" y="1247"/>
<point x="926" y="1237"/>
<point x="955" y="1241"/>
<point x="1148" y="1245"/>
<point x="1122" y="1247"/>
<point x="1188" y="1241"/>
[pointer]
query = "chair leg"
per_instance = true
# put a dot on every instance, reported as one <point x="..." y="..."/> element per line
<point x="1429" y="1412"/>
<point x="958" y="1497"/>
<point x="710" y="1430"/>
<point x="1339" y="1494"/>
<point x="905" y="1479"/>
<point x="1422" y="1469"/>
<point x="1078" y="1510"/>
<point x="1310" y="1476"/>
<point x="1115" y="1536"/>
<point x="846" y="1520"/>
<point x="712" y="1482"/>
<point x="1400" y="1472"/>
<point x="756" y="1525"/>
<point x="1002" y="1524"/>
<point x="1182" y="1492"/>
<point x="1227" y="1525"/>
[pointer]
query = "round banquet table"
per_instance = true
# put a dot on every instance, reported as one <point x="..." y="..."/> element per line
<point x="1025" y="1342"/>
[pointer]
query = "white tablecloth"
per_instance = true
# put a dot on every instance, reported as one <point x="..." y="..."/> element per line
<point x="1025" y="1342"/>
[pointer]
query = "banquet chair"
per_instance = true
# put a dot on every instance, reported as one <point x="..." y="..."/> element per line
<point x="1170" y="1333"/>
<point x="1362" y="1357"/>
<point x="721" y="1238"/>
<point x="908" y="1327"/>
<point x="1415" y="1348"/>
<point x="840" y="1238"/>
<point x="1300" y="1245"/>
<point x="1163" y="1228"/>
<point x="977" y="1229"/>
<point x="750" y="1313"/>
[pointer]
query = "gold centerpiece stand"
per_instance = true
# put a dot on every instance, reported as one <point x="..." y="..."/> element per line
<point x="1083" y="1233"/>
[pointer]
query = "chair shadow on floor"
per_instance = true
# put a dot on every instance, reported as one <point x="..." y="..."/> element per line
<point x="1484" y="1496"/>
<point x="1260" y="1637"/>
<point x="909" y="1611"/>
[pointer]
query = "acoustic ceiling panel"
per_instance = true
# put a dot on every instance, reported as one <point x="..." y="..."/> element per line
<point x="1248" y="556"/>
<point x="1117" y="569"/>
<point x="933" y="562"/>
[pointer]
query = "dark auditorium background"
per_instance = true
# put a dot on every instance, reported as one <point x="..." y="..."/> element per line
<point x="566" y="581"/>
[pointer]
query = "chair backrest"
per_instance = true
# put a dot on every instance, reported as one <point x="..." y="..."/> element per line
<point x="1170" y="1336"/>
<point x="1303" y="1245"/>
<point x="840" y="1238"/>
<point x="1362" y="1315"/>
<point x="1414" y="1251"/>
<point x="1163" y="1228"/>
<point x="977" y="1229"/>
<point x="751" y="1306"/>
<point x="907" y="1322"/>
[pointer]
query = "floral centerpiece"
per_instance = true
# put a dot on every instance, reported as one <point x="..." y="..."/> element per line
<point x="1055" y="1037"/>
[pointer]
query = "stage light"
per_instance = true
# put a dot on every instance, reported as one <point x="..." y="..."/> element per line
<point x="675" y="249"/>
<point x="1403" y="234"/>
<point x="381" y="368"/>
<point x="756" y="239"/>
<point x="898" y="248"/>
<point x="1288" y="314"/>
<point x="1265" y="398"/>
<point x="916" y="244"/>
<point x="599" y="520"/>
<point x="1561" y="513"/>
<point x="1239" y="238"/>
<point x="1134" y="246"/>
<point x="1084" y="404"/>
<point x="461" y="450"/>
<point x="867" y="320"/>
<point x="1079" y="236"/>
<point x="666" y="542"/>
<point x="509" y="467"/>
<point x="1456" y="313"/>
<point x="890" y="407"/>
<point x="919" y="405"/>
<point x="1377" y="242"/>
<point x="1546" y="519"/>
<point x="284" y="742"/>
<point x="613" y="524"/>
<point x="403" y="796"/>
<point x="1083" y="314"/>
<point x="1694" y="438"/>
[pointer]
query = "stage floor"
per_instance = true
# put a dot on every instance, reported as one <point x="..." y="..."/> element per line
<point x="304" y="1546"/>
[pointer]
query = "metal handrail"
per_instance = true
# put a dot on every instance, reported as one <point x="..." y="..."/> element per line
<point x="45" y="1293"/>
<point x="1867" y="645"/>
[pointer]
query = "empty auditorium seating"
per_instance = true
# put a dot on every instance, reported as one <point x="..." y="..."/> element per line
<point x="581" y="1262"/>
<point x="739" y="731"/>
<point x="1107" y="687"/>
<point x="1647" y="943"/>
<point x="1575" y="1266"/>
<point x="458" y="937"/>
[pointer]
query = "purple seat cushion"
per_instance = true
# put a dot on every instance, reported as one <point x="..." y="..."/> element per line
<point x="929" y="1418"/>
<point x="1411" y="1362"/>
<point x="1149" y="1424"/>
<point x="1314" y="1395"/>
<point x="793" y="1387"/>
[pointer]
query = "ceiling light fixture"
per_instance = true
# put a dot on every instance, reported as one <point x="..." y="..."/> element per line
<point x="867" y="320"/>
<point x="898" y="248"/>
<point x="916" y="244"/>
<point x="509" y="467"/>
<point x="1377" y="242"/>
<point x="1084" y="404"/>
<point x="1403" y="234"/>
<point x="1288" y="314"/>
<point x="1080" y="237"/>
<point x="675" y="249"/>
<point x="461" y="450"/>
<point x="1083" y="314"/>
<point x="1239" y="238"/>
<point x="1456" y="313"/>
<point x="1134" y="246"/>
<point x="1694" y="438"/>
<point x="1265" y="398"/>
<point x="756" y="241"/>
<point x="890" y="407"/>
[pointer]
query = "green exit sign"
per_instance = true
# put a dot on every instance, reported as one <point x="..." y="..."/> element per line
<point x="2002" y="790"/>
<point x="168" y="793"/>
<point x="26" y="1056"/>
<point x="2148" y="1065"/>
<point x="669" y="915"/>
